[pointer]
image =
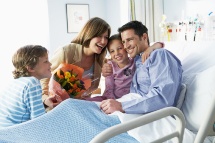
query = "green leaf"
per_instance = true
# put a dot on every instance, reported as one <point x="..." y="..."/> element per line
<point x="64" y="83"/>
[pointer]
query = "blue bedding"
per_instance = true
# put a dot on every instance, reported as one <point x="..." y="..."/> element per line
<point x="73" y="121"/>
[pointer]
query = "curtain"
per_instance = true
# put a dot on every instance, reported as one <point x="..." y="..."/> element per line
<point x="132" y="9"/>
<point x="149" y="12"/>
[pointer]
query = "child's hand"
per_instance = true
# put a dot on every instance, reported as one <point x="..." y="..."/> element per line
<point x="146" y="54"/>
<point x="148" y="51"/>
<point x="53" y="101"/>
<point x="107" y="69"/>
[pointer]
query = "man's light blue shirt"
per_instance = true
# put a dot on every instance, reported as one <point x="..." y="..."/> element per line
<point x="157" y="80"/>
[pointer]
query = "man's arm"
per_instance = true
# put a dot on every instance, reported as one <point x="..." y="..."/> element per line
<point x="110" y="105"/>
<point x="165" y="74"/>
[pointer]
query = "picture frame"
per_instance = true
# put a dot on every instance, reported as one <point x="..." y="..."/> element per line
<point x="77" y="16"/>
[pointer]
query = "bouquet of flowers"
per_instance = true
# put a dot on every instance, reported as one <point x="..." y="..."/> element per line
<point x="67" y="81"/>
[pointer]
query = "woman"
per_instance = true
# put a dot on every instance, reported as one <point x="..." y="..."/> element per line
<point x="87" y="51"/>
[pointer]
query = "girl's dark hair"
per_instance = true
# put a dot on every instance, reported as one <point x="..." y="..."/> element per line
<point x="26" y="56"/>
<point x="113" y="37"/>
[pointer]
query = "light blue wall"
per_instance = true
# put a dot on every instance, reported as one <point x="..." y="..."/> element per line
<point x="109" y="10"/>
<point x="58" y="21"/>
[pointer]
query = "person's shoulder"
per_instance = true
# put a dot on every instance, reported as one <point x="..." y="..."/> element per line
<point x="164" y="53"/>
<point x="72" y="46"/>
<point x="31" y="80"/>
<point x="69" y="49"/>
<point x="159" y="51"/>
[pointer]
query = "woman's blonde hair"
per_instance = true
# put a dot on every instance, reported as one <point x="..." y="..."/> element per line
<point x="26" y="56"/>
<point x="93" y="28"/>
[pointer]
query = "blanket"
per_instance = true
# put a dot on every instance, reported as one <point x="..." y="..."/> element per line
<point x="73" y="121"/>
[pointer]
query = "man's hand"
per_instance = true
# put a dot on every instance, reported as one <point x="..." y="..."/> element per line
<point x="109" y="106"/>
<point x="107" y="69"/>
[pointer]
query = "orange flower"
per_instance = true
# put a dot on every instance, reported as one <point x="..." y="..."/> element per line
<point x="78" y="90"/>
<point x="69" y="77"/>
<point x="70" y="90"/>
<point x="75" y="86"/>
<point x="72" y="78"/>
<point x="59" y="74"/>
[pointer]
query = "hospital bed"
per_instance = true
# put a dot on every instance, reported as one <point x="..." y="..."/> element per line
<point x="196" y="116"/>
<point x="78" y="121"/>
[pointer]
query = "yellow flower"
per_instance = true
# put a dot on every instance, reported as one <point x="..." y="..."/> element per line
<point x="67" y="75"/>
<point x="70" y="82"/>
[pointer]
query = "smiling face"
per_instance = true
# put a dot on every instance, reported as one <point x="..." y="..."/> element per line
<point x="118" y="53"/>
<point x="134" y="44"/>
<point x="98" y="43"/>
<point x="42" y="68"/>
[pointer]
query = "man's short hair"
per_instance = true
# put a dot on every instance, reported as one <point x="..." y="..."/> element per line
<point x="137" y="26"/>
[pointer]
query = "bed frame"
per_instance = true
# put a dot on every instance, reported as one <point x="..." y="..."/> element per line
<point x="202" y="55"/>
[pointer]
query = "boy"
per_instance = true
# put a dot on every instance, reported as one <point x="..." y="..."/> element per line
<point x="22" y="100"/>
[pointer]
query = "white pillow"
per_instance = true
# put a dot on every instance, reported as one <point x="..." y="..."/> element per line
<point x="200" y="91"/>
<point x="182" y="95"/>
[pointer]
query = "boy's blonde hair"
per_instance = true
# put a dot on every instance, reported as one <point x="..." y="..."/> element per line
<point x="26" y="56"/>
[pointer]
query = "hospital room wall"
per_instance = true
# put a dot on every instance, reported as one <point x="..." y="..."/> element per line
<point x="115" y="12"/>
<point x="44" y="22"/>
<point x="181" y="9"/>
<point x="197" y="16"/>
<point x="22" y="22"/>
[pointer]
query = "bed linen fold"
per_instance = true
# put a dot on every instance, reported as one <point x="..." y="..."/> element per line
<point x="73" y="121"/>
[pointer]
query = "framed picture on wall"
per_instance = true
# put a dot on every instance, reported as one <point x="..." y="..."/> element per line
<point x="77" y="16"/>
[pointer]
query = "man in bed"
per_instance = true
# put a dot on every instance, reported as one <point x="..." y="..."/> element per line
<point x="157" y="80"/>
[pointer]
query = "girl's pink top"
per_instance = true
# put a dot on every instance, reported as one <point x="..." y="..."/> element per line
<point x="118" y="84"/>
